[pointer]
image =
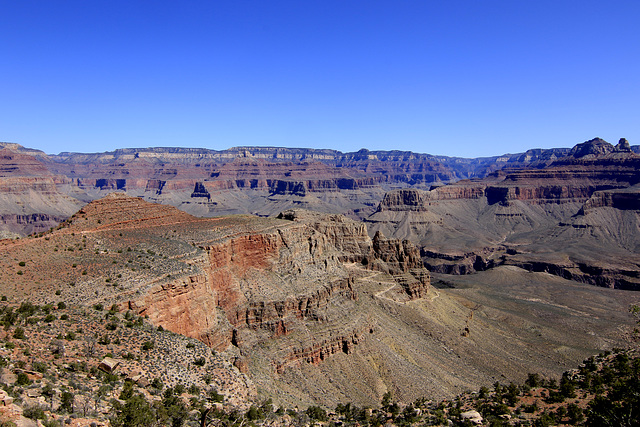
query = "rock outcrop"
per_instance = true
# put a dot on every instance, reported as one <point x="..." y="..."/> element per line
<point x="557" y="219"/>
<point x="308" y="306"/>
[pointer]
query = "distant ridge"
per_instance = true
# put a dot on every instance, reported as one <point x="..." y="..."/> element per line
<point x="254" y="180"/>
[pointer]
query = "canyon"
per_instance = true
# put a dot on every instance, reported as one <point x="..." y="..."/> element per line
<point x="576" y="218"/>
<point x="39" y="190"/>
<point x="325" y="277"/>
<point x="307" y="308"/>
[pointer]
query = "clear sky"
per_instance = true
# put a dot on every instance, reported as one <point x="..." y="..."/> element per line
<point x="453" y="77"/>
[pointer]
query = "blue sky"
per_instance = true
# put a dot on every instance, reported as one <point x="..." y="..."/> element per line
<point x="459" y="78"/>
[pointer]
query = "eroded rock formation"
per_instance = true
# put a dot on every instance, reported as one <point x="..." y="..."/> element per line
<point x="307" y="305"/>
<point x="576" y="218"/>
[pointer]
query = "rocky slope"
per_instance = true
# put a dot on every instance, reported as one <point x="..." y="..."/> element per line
<point x="307" y="305"/>
<point x="577" y="218"/>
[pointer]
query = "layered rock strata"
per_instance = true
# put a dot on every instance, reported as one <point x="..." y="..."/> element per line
<point x="307" y="306"/>
<point x="577" y="218"/>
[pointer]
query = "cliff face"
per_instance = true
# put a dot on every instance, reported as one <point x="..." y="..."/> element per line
<point x="280" y="282"/>
<point x="579" y="211"/>
<point x="29" y="197"/>
<point x="268" y="180"/>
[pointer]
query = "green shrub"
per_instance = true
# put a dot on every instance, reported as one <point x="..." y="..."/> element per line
<point x="39" y="367"/>
<point x="66" y="402"/>
<point x="316" y="413"/>
<point x="35" y="412"/>
<point x="23" y="379"/>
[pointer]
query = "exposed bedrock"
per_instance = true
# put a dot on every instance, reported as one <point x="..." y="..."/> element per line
<point x="579" y="216"/>
<point x="583" y="273"/>
<point x="393" y="255"/>
<point x="257" y="286"/>
<point x="540" y="194"/>
<point x="463" y="263"/>
<point x="319" y="351"/>
<point x="626" y="199"/>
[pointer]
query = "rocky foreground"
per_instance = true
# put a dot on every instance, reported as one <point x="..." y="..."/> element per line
<point x="95" y="366"/>
<point x="308" y="307"/>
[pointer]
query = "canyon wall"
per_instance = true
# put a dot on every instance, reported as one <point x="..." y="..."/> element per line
<point x="577" y="218"/>
<point x="254" y="287"/>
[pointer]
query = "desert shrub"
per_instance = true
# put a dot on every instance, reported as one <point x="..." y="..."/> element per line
<point x="157" y="384"/>
<point x="67" y="400"/>
<point x="575" y="413"/>
<point x="215" y="396"/>
<point x="39" y="367"/>
<point x="35" y="412"/>
<point x="254" y="413"/>
<point x="27" y="309"/>
<point x="148" y="345"/>
<point x="127" y="390"/>
<point x="23" y="379"/>
<point x="316" y="413"/>
<point x="110" y="378"/>
<point x="51" y="423"/>
<point x="19" y="334"/>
